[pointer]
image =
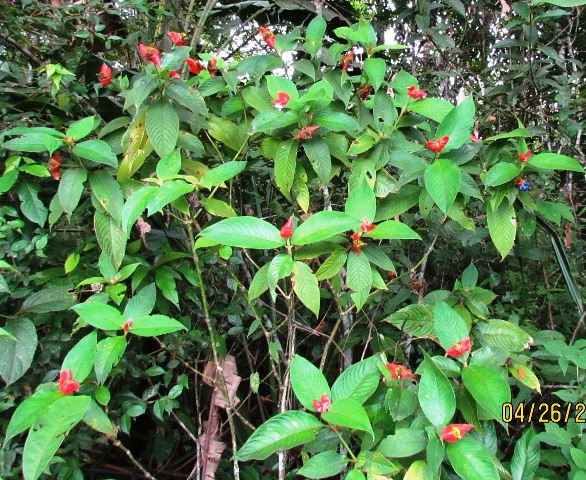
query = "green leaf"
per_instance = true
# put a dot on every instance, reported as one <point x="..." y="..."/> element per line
<point x="153" y="325"/>
<point x="30" y="204"/>
<point x="416" y="320"/>
<point x="562" y="3"/>
<point x="217" y="208"/>
<point x="555" y="161"/>
<point x="170" y="191"/>
<point x="359" y="278"/>
<point x="244" y="232"/>
<point x="518" y="132"/>
<point x="162" y="127"/>
<point x="308" y="382"/>
<point x="348" y="413"/>
<point x="276" y="84"/>
<point x="376" y="69"/>
<point x="187" y="97"/>
<point x="281" y="432"/>
<point x="361" y="203"/>
<point x="257" y="98"/>
<point x="457" y="125"/>
<point x="526" y="456"/>
<point x="17" y="353"/>
<point x="142" y="303"/>
<point x="80" y="359"/>
<point x="170" y="165"/>
<point x="50" y="299"/>
<point x="337" y="122"/>
<point x="442" y="182"/>
<point x="392" y="230"/>
<point x="8" y="180"/>
<point x="135" y="205"/>
<point x="315" y="32"/>
<point x="436" y="395"/>
<point x="70" y="189"/>
<point x="272" y="119"/>
<point x="218" y="175"/>
<point x="97" y="419"/>
<point x="108" y="353"/>
<point x="471" y="460"/>
<point x="322" y="226"/>
<point x="29" y="410"/>
<point x="502" y="227"/>
<point x="99" y="315"/>
<point x="96" y="151"/>
<point x="305" y="286"/>
<point x="470" y="276"/>
<point x="489" y="387"/>
<point x="33" y="142"/>
<point x="285" y="163"/>
<point x="280" y="267"/>
<point x="108" y="193"/>
<point x="259" y="284"/>
<point x="361" y="144"/>
<point x="323" y="465"/>
<point x="318" y="154"/>
<point x="232" y="135"/>
<point x="449" y="327"/>
<point x="333" y="265"/>
<point x="418" y="470"/>
<point x="500" y="333"/>
<point x="358" y="382"/>
<point x="501" y="173"/>
<point x="355" y="474"/>
<point x="405" y="442"/>
<point x="434" y="108"/>
<point x="256" y="65"/>
<point x="165" y="280"/>
<point x="48" y="433"/>
<point x="111" y="238"/>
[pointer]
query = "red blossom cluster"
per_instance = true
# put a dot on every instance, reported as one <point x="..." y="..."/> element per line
<point x="322" y="405"/>
<point x="268" y="36"/>
<point x="462" y="347"/>
<point x="437" y="145"/>
<point x="67" y="385"/>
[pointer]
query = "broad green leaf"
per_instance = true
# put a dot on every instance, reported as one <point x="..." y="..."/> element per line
<point x="162" y="127"/>
<point x="376" y="70"/>
<point x="436" y="395"/>
<point x="142" y="303"/>
<point x="170" y="165"/>
<point x="256" y="65"/>
<point x="108" y="193"/>
<point x="96" y="151"/>
<point x="526" y="456"/>
<point x="5" y="334"/>
<point x="442" y="182"/>
<point x="518" y="132"/>
<point x="285" y="163"/>
<point x="323" y="465"/>
<point x="281" y="432"/>
<point x="470" y="276"/>
<point x="471" y="459"/>
<point x="355" y="474"/>
<point x="141" y="89"/>
<point x="81" y="128"/>
<point x="308" y="382"/>
<point x="108" y="353"/>
<point x="280" y="267"/>
<point x="218" y="175"/>
<point x="323" y="225"/>
<point x="332" y="265"/>
<point x="8" y="180"/>
<point x="30" y="409"/>
<point x="137" y="150"/>
<point x="111" y="237"/>
<point x="318" y="154"/>
<point x="80" y="359"/>
<point x="358" y="382"/>
<point x="48" y="433"/>
<point x="377" y="256"/>
<point x="190" y="98"/>
<point x="500" y="333"/>
<point x="34" y="142"/>
<point x="348" y="413"/>
<point x="135" y="205"/>
<point x="217" y="208"/>
<point x="359" y="278"/>
<point x="449" y="327"/>
<point x="30" y="204"/>
<point x="97" y="419"/>
<point x="50" y="299"/>
<point x="392" y="230"/>
<point x="316" y="30"/>
<point x="405" y="442"/>
<point x="225" y="131"/>
<point x="153" y="325"/>
<point x="70" y="189"/>
<point x="361" y="144"/>
<point x="418" y="470"/>
<point x="257" y="98"/>
<point x="501" y="173"/>
<point x="563" y="3"/>
<point x="170" y="191"/>
<point x="434" y="108"/>
<point x="457" y="125"/>
<point x="99" y="315"/>
<point x="165" y="281"/>
<point x="272" y="119"/>
<point x="502" y="227"/>
<point x="361" y="203"/>
<point x="17" y="353"/>
<point x="244" y="232"/>
<point x="416" y="320"/>
<point x="305" y="286"/>
<point x="259" y="284"/>
<point x="337" y="122"/>
<point x="489" y="387"/>
<point x="555" y="161"/>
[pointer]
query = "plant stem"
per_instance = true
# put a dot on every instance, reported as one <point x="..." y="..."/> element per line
<point x="137" y="464"/>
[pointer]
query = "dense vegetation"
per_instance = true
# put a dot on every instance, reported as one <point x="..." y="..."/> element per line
<point x="269" y="239"/>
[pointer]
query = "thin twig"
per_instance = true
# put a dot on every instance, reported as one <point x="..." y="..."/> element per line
<point x="137" y="464"/>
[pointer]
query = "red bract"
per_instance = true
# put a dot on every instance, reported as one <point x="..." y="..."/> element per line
<point x="268" y="36"/>
<point x="437" y="145"/>
<point x="415" y="92"/>
<point x="306" y="132"/>
<point x="174" y="74"/>
<point x="282" y="100"/>
<point x="287" y="229"/>
<point x="460" y="348"/>
<point x="104" y="75"/>
<point x="523" y="157"/>
<point x="195" y="66"/>
<point x="364" y="91"/>
<point x="455" y="431"/>
<point x="474" y="138"/>
<point x="54" y="166"/>
<point x="322" y="405"/>
<point x="212" y="67"/>
<point x="177" y="38"/>
<point x="150" y="54"/>
<point x="347" y="60"/>
<point x="128" y="324"/>
<point x="399" y="371"/>
<point x="357" y="243"/>
<point x="392" y="274"/>
<point x="66" y="383"/>
<point x="367" y="227"/>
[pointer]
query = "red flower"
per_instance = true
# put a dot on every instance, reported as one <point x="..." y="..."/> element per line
<point x="177" y="38"/>
<point x="474" y="138"/>
<point x="364" y="91"/>
<point x="104" y="75"/>
<point x="460" y="348"/>
<point x="268" y="36"/>
<point x="212" y="67"/>
<point x="66" y="383"/>
<point x="174" y="74"/>
<point x="195" y="66"/>
<point x="437" y="145"/>
<point x="282" y="100"/>
<point x="392" y="274"/>
<point x="306" y="132"/>
<point x="347" y="59"/>
<point x="523" y="157"/>
<point x="367" y="227"/>
<point x="128" y="324"/>
<point x="287" y="229"/>
<point x="455" y="431"/>
<point x="150" y="54"/>
<point x="322" y="405"/>
<point x="415" y="92"/>
<point x="54" y="166"/>
<point x="399" y="371"/>
<point x="357" y="243"/>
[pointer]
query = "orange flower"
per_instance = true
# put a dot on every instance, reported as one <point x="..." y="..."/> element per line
<point x="524" y="157"/>
<point x="282" y="100"/>
<point x="150" y="54"/>
<point x="268" y="36"/>
<point x="399" y="371"/>
<point x="195" y="66"/>
<point x="287" y="229"/>
<point x="347" y="59"/>
<point x="306" y="132"/>
<point x="212" y="67"/>
<point x="460" y="348"/>
<point x="455" y="431"/>
<point x="104" y="75"/>
<point x="66" y="383"/>
<point x="54" y="166"/>
<point x="322" y="405"/>
<point x="437" y="145"/>
<point x="177" y="38"/>
<point x="415" y="92"/>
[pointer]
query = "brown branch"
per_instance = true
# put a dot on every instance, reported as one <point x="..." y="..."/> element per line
<point x="36" y="61"/>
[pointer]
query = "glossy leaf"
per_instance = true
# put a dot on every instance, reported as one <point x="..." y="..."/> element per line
<point x="358" y="382"/>
<point x="526" y="456"/>
<point x="285" y="163"/>
<point x="501" y="173"/>
<point x="471" y="460"/>
<point x="135" y="205"/>
<point x="337" y="122"/>
<point x="162" y="127"/>
<point x="318" y="154"/>
<point x="153" y="325"/>
<point x="442" y="182"/>
<point x="81" y="128"/>
<point x="218" y="175"/>
<point x="500" y="333"/>
<point x="109" y="351"/>
<point x="323" y="225"/>
<point x="33" y="142"/>
<point x="99" y="315"/>
<point x="361" y="203"/>
<point x="436" y="395"/>
<point x="245" y="232"/>
<point x="457" y="125"/>
<point x="305" y="286"/>
<point x="96" y="151"/>
<point x="259" y="284"/>
<point x="359" y="278"/>
<point x="502" y="226"/>
<point x="71" y="187"/>
<point x="405" y="442"/>
<point x="449" y="327"/>
<point x="348" y="413"/>
<point x="489" y="387"/>
<point x="30" y="409"/>
<point x="80" y="359"/>
<point x="17" y="353"/>
<point x="217" y="208"/>
<point x="376" y="70"/>
<point x="97" y="419"/>
<point x="323" y="465"/>
<point x="308" y="382"/>
<point x="108" y="193"/>
<point x="111" y="237"/>
<point x="555" y="161"/>
<point x="332" y="265"/>
<point x="31" y="205"/>
<point x="392" y="230"/>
